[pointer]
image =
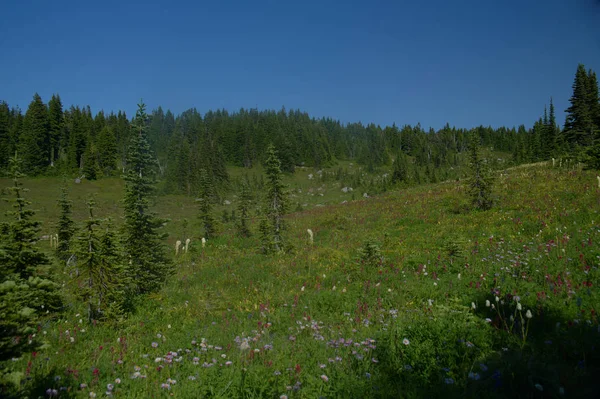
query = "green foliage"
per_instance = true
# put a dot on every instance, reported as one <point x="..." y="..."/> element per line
<point x="100" y="279"/>
<point x="26" y="289"/>
<point x="400" y="169"/>
<point x="244" y="209"/>
<point x="276" y="204"/>
<point x="34" y="139"/>
<point x="370" y="254"/>
<point x="90" y="163"/>
<point x="148" y="265"/>
<point x="65" y="225"/>
<point x="107" y="151"/>
<point x="481" y="181"/>
<point x="205" y="200"/>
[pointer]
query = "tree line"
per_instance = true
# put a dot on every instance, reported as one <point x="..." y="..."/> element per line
<point x="53" y="140"/>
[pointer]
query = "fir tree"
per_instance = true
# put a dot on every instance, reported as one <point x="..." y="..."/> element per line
<point x="275" y="204"/>
<point x="578" y="124"/>
<point x="149" y="266"/>
<point x="400" y="170"/>
<point x="205" y="200"/>
<point x="107" y="151"/>
<point x="90" y="163"/>
<point x="27" y="292"/>
<point x="480" y="182"/>
<point x="100" y="281"/>
<point x="33" y="142"/>
<point x="66" y="226"/>
<point x="244" y="209"/>
<point x="56" y="125"/>
<point x="5" y="116"/>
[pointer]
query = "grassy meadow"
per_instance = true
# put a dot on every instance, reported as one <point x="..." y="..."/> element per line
<point x="403" y="294"/>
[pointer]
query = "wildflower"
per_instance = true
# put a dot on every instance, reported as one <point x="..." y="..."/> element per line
<point x="244" y="345"/>
<point x="283" y="396"/>
<point x="406" y="342"/>
<point x="322" y="366"/>
<point x="83" y="385"/>
<point x="449" y="381"/>
<point x="487" y="303"/>
<point x="92" y="394"/>
<point x="165" y="386"/>
<point x="277" y="372"/>
<point x="155" y="344"/>
<point x="539" y="387"/>
<point x="324" y="378"/>
<point x="483" y="367"/>
<point x="158" y="360"/>
<point x="368" y="375"/>
<point x="519" y="307"/>
<point x="469" y="344"/>
<point x="51" y="392"/>
<point x="191" y="378"/>
<point x="528" y="314"/>
<point x="474" y="376"/>
<point x="497" y="299"/>
<point x="228" y="363"/>
<point x="110" y="387"/>
<point x="473" y="306"/>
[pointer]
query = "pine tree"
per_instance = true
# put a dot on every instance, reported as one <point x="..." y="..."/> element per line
<point x="244" y="209"/>
<point x="480" y="182"/>
<point x="5" y="117"/>
<point x="66" y="226"/>
<point x="593" y="101"/>
<point x="100" y="281"/>
<point x="27" y="293"/>
<point x="400" y="170"/>
<point x="90" y="163"/>
<point x="34" y="140"/>
<point x="205" y="200"/>
<point x="149" y="266"/>
<point x="276" y="204"/>
<point x="107" y="151"/>
<point x="56" y="125"/>
<point x="578" y="124"/>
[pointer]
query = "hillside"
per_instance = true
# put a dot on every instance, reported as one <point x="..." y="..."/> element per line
<point x="406" y="317"/>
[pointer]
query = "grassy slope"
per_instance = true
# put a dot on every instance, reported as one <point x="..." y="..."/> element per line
<point x="538" y="243"/>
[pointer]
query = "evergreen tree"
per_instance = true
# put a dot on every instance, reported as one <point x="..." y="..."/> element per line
<point x="480" y="182"/>
<point x="5" y="117"/>
<point x="578" y="124"/>
<point x="100" y="281"/>
<point x="205" y="200"/>
<point x="400" y="169"/>
<point x="244" y="209"/>
<point x="56" y="125"/>
<point x="90" y="163"/>
<point x="27" y="292"/>
<point x="107" y="151"/>
<point x="66" y="226"/>
<point x="149" y="266"/>
<point x="593" y="101"/>
<point x="34" y="140"/>
<point x="276" y="204"/>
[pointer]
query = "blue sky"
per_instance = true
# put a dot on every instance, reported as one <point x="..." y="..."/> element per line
<point x="464" y="62"/>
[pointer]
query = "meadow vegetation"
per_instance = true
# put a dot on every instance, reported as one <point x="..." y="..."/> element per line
<point x="409" y="293"/>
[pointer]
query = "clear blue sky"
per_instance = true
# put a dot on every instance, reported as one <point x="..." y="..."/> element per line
<point x="466" y="62"/>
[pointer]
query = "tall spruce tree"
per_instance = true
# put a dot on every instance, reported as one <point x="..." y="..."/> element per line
<point x="400" y="169"/>
<point x="5" y="116"/>
<point x="100" y="281"/>
<point x="107" y="151"/>
<point x="205" y="201"/>
<point x="578" y="124"/>
<point x="56" y="125"/>
<point x="276" y="204"/>
<point x="480" y="182"/>
<point x="65" y="226"/>
<point x="27" y="292"/>
<point x="34" y="139"/>
<point x="149" y="266"/>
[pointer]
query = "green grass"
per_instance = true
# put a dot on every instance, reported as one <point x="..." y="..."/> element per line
<point x="322" y="322"/>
